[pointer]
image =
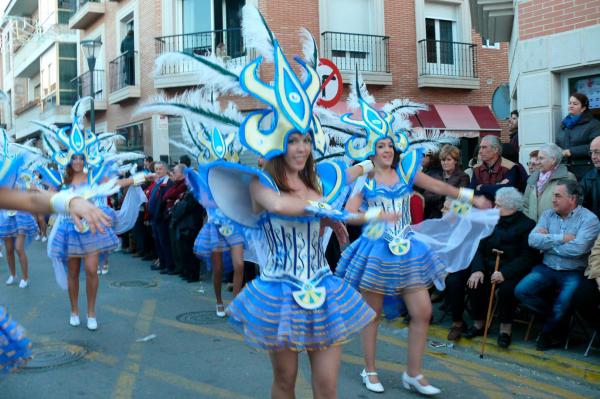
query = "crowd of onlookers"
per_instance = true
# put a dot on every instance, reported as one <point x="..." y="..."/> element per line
<point x="547" y="235"/>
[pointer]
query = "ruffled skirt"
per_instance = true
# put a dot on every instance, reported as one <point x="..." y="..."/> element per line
<point x="210" y="239"/>
<point x="66" y="242"/>
<point x="266" y="313"/>
<point x="370" y="265"/>
<point x="15" y="347"/>
<point x="21" y="223"/>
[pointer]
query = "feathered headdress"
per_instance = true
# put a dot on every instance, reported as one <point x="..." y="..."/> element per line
<point x="207" y="146"/>
<point x="290" y="98"/>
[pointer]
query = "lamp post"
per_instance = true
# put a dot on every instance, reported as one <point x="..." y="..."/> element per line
<point x="90" y="49"/>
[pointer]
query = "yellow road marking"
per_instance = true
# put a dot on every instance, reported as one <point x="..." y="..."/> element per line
<point x="126" y="380"/>
<point x="191" y="385"/>
<point x="554" y="363"/>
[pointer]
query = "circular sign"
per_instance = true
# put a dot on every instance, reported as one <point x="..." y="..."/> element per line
<point x="332" y="85"/>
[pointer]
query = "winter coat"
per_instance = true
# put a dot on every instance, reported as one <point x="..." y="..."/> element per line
<point x="509" y="236"/>
<point x="536" y="204"/>
<point x="577" y="140"/>
<point x="435" y="202"/>
<point x="590" y="185"/>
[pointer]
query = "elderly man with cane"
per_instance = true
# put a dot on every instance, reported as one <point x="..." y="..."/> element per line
<point x="509" y="239"/>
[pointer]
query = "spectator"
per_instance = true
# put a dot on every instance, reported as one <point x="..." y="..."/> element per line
<point x="450" y="173"/>
<point x="577" y="131"/>
<point x="170" y="198"/>
<point x="565" y="236"/>
<point x="533" y="163"/>
<point x="494" y="172"/>
<point x="185" y="160"/>
<point x="541" y="184"/>
<point x="142" y="235"/>
<point x="590" y="183"/>
<point x="508" y="152"/>
<point x="587" y="297"/>
<point x="149" y="164"/>
<point x="128" y="51"/>
<point x="157" y="217"/>
<point x="474" y="161"/>
<point x="513" y="127"/>
<point x="510" y="237"/>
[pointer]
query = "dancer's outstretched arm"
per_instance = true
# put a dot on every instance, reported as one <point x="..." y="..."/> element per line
<point x="42" y="202"/>
<point x="439" y="187"/>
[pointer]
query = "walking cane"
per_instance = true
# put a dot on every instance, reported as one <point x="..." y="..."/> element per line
<point x="489" y="312"/>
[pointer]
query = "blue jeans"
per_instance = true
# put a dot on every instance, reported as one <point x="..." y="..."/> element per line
<point x="537" y="289"/>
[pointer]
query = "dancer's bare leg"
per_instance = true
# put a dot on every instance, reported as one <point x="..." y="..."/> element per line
<point x="237" y="257"/>
<point x="419" y="308"/>
<point x="325" y="366"/>
<point x="369" y="334"/>
<point x="285" y="371"/>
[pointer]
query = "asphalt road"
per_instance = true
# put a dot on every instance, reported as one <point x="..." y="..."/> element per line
<point x="158" y="337"/>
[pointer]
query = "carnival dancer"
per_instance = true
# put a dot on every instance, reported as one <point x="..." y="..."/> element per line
<point x="296" y="304"/>
<point x="17" y="229"/>
<point x="395" y="259"/>
<point x="85" y="164"/>
<point x="15" y="347"/>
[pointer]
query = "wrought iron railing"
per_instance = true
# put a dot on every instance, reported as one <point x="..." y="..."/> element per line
<point x="227" y="44"/>
<point x="83" y="85"/>
<point x="122" y="71"/>
<point x="369" y="53"/>
<point x="439" y="57"/>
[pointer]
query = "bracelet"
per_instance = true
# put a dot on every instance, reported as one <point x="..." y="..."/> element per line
<point x="366" y="165"/>
<point x="139" y="178"/>
<point x="60" y="201"/>
<point x="466" y="195"/>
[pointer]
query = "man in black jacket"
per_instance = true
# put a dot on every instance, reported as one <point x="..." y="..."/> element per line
<point x="590" y="182"/>
<point x="157" y="216"/>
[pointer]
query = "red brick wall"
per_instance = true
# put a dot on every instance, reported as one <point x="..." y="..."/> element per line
<point x="546" y="17"/>
<point x="286" y="17"/>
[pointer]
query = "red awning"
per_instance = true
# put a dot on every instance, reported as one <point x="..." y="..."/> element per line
<point x="459" y="120"/>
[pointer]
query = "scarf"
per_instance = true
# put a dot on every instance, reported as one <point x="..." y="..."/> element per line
<point x="571" y="120"/>
<point x="542" y="180"/>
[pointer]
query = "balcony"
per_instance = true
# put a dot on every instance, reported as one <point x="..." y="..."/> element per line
<point x="368" y="53"/>
<point x="447" y="64"/>
<point x="124" y="78"/>
<point x="86" y="12"/>
<point x="45" y="110"/>
<point x="82" y="85"/>
<point x="226" y="44"/>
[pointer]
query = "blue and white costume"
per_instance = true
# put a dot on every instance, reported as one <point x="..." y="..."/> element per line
<point x="296" y="303"/>
<point x="15" y="347"/>
<point x="390" y="259"/>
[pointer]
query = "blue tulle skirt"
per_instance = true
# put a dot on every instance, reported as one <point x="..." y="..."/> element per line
<point x="370" y="265"/>
<point x="21" y="223"/>
<point x="210" y="239"/>
<point x="266" y="313"/>
<point x="15" y="347"/>
<point x="67" y="242"/>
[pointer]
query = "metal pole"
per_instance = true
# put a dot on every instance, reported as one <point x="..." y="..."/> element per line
<point x="92" y="110"/>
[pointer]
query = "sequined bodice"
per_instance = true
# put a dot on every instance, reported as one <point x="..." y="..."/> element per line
<point x="295" y="249"/>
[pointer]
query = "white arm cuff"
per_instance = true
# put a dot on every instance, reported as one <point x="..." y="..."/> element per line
<point x="60" y="201"/>
<point x="367" y="166"/>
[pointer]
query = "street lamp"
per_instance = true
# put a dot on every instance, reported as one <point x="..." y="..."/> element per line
<point x="90" y="49"/>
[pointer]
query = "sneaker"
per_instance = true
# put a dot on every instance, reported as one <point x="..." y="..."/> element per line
<point x="74" y="320"/>
<point x="11" y="280"/>
<point x="92" y="324"/>
<point x="44" y="239"/>
<point x="23" y="283"/>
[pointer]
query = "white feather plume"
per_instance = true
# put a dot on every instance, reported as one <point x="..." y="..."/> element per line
<point x="403" y="107"/>
<point x="206" y="75"/>
<point x="256" y="33"/>
<point x="309" y="48"/>
<point x="430" y="140"/>
<point x="353" y="96"/>
<point x="80" y="108"/>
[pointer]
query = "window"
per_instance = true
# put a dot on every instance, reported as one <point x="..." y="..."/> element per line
<point x="485" y="43"/>
<point x="440" y="37"/>
<point x="67" y="71"/>
<point x="48" y="72"/>
<point x="590" y="86"/>
<point x="134" y="137"/>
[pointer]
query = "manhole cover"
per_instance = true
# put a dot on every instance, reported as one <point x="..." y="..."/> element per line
<point x="48" y="355"/>
<point x="205" y="317"/>
<point x="134" y="284"/>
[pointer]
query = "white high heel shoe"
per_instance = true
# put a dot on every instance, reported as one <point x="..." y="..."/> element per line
<point x="373" y="387"/>
<point x="74" y="320"/>
<point x="411" y="383"/>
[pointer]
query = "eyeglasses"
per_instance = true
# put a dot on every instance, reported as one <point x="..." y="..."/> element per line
<point x="594" y="152"/>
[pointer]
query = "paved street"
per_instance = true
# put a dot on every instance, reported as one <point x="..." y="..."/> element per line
<point x="200" y="356"/>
